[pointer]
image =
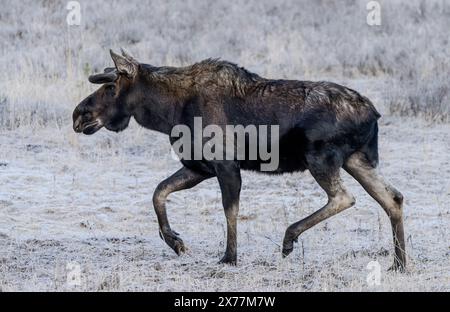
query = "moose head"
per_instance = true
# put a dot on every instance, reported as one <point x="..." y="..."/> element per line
<point x="107" y="107"/>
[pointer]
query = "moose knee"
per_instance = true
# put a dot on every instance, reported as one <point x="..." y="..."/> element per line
<point x="344" y="200"/>
<point x="398" y="198"/>
<point x="349" y="200"/>
<point x="395" y="205"/>
<point x="160" y="194"/>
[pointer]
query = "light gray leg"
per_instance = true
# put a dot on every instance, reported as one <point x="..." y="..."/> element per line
<point x="338" y="200"/>
<point x="387" y="196"/>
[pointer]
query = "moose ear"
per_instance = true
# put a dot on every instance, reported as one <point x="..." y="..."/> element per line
<point x="109" y="69"/>
<point x="124" y="65"/>
<point x="127" y="55"/>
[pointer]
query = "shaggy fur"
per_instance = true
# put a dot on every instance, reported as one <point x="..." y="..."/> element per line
<point x="323" y="127"/>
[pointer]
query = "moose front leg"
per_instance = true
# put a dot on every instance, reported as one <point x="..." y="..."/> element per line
<point x="229" y="178"/>
<point x="184" y="178"/>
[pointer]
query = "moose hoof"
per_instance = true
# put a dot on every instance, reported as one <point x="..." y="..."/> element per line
<point x="287" y="251"/>
<point x="288" y="246"/>
<point x="228" y="259"/>
<point x="174" y="241"/>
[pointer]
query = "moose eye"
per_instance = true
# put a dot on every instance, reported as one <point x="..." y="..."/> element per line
<point x="110" y="87"/>
<point x="110" y="90"/>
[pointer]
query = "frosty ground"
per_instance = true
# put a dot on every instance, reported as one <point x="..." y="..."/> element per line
<point x="76" y="211"/>
<point x="70" y="201"/>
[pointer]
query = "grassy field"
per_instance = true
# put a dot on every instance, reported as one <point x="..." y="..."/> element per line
<point x="70" y="203"/>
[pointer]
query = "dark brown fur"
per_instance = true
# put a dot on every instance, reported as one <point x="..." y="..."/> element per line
<point x="323" y="127"/>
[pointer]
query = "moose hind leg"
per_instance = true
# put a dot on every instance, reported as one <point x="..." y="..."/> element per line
<point x="182" y="179"/>
<point x="390" y="199"/>
<point x="338" y="200"/>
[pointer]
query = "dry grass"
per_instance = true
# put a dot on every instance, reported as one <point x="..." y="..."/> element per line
<point x="66" y="198"/>
<point x="45" y="62"/>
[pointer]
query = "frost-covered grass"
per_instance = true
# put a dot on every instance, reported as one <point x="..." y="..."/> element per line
<point x="45" y="62"/>
<point x="66" y="198"/>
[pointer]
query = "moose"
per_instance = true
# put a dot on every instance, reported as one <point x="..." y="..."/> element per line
<point x="323" y="127"/>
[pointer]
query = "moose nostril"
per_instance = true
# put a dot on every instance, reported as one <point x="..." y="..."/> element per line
<point x="77" y="124"/>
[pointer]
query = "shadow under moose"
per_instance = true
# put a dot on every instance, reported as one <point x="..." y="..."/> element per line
<point x="322" y="127"/>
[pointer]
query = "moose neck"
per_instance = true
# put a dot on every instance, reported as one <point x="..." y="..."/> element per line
<point x="157" y="102"/>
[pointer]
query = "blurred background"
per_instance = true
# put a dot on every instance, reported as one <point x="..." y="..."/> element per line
<point x="45" y="61"/>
